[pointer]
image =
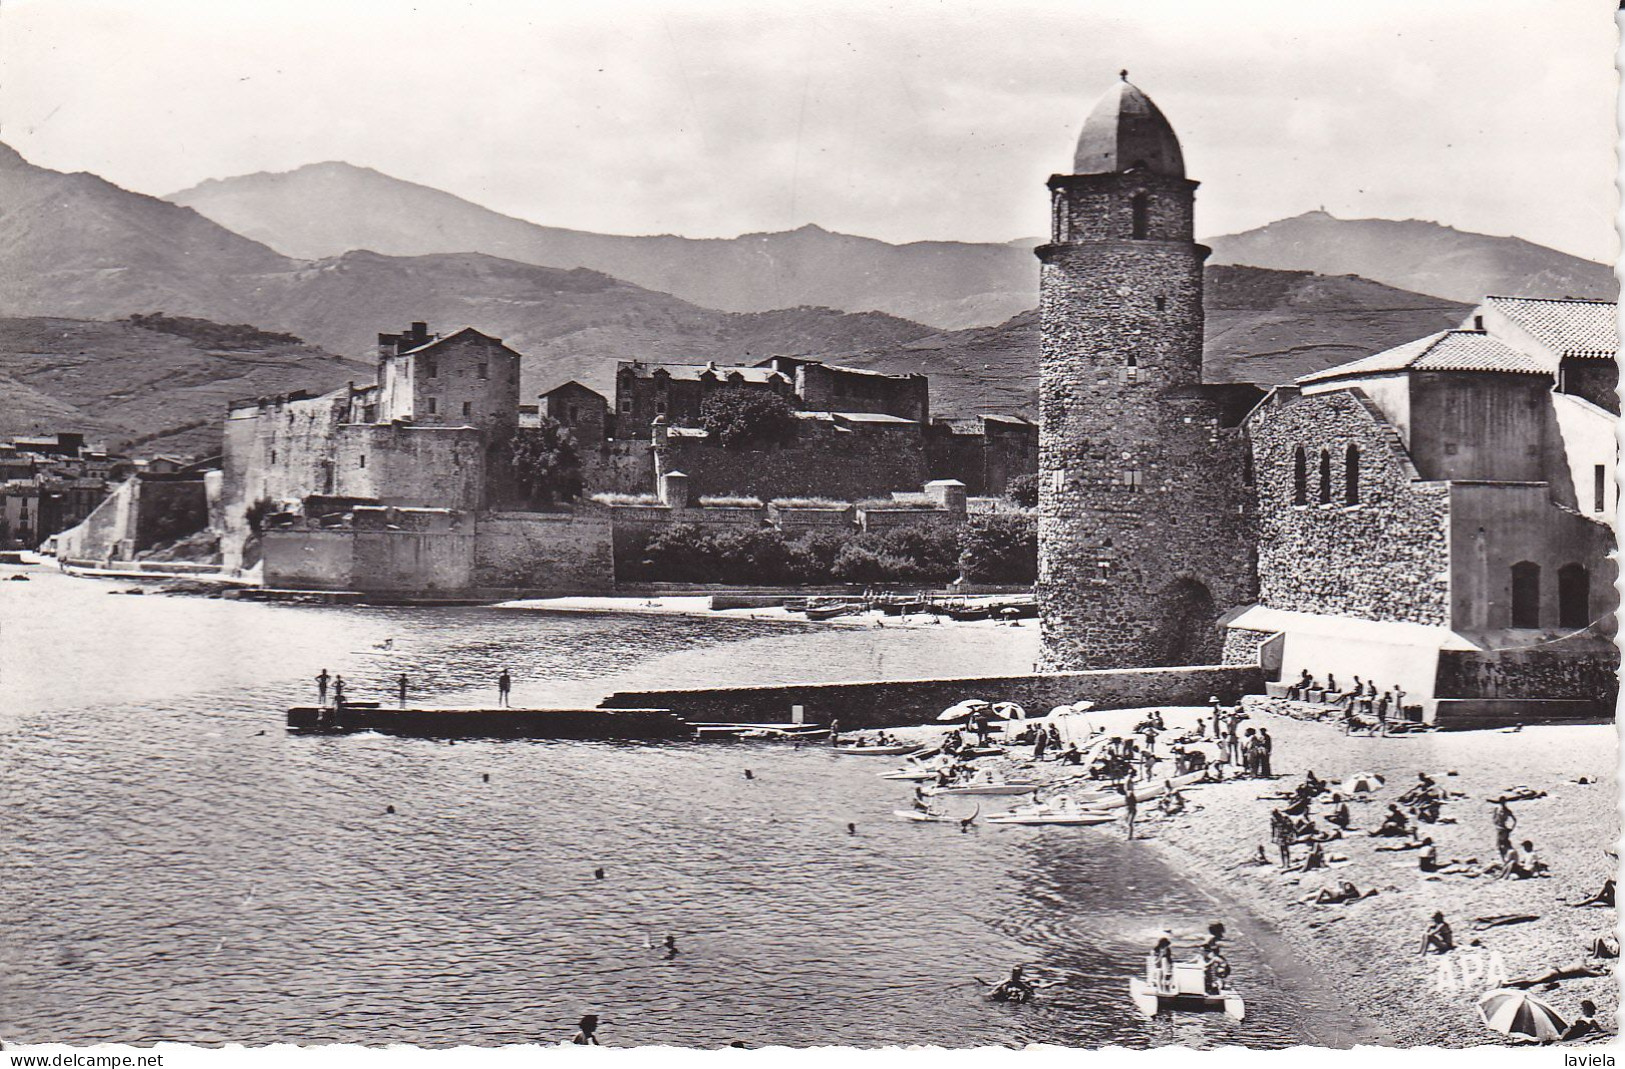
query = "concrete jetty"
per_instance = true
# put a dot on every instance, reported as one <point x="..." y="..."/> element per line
<point x="438" y="722"/>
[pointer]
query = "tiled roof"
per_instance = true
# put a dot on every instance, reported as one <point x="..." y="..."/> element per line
<point x="1448" y="350"/>
<point x="1567" y="327"/>
<point x="692" y="372"/>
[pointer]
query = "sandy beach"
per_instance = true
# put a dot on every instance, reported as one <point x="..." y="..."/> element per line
<point x="1369" y="952"/>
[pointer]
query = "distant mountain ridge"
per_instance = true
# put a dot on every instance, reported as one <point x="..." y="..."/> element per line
<point x="1262" y="326"/>
<point x="327" y="209"/>
<point x="1417" y="255"/>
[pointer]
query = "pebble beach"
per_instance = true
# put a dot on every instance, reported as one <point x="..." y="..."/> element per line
<point x="1370" y="951"/>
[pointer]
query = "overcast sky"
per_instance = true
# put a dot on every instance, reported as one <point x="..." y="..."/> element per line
<point x="901" y="121"/>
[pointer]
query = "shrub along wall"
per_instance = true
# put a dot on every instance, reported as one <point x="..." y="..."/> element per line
<point x="990" y="549"/>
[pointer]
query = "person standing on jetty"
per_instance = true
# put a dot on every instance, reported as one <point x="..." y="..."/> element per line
<point x="338" y="692"/>
<point x="588" y="1032"/>
<point x="321" y="687"/>
<point x="504" y="686"/>
<point x="400" y="689"/>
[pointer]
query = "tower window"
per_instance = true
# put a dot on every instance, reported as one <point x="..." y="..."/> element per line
<point x="1140" y="204"/>
<point x="434" y="406"/>
<point x="1325" y="477"/>
<point x="485" y="371"/>
<point x="1351" y="475"/>
<point x="468" y="408"/>
<point x="1162" y="304"/>
<point x="1247" y="464"/>
<point x="1300" y="477"/>
<point x="1131" y="369"/>
<point x="430" y="368"/>
<point x="1599" y="488"/>
<point x="1526" y="594"/>
<point x="1573" y="596"/>
<point x="361" y="461"/>
<point x="1131" y="479"/>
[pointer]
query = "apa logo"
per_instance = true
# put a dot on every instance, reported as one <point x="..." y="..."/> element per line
<point x="1469" y="973"/>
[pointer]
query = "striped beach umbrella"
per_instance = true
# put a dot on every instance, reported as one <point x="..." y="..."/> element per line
<point x="1363" y="783"/>
<point x="1518" y="1013"/>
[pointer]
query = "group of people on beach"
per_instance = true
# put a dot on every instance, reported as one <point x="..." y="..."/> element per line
<point x="1365" y="707"/>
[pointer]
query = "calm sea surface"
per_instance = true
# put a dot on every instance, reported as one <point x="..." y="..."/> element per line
<point x="173" y="866"/>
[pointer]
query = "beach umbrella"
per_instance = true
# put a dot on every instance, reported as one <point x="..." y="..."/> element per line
<point x="1363" y="783"/>
<point x="1518" y="1013"/>
<point x="962" y="710"/>
<point x="1061" y="710"/>
<point x="1009" y="711"/>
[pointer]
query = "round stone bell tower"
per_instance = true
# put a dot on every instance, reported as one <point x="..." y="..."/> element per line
<point x="1142" y="520"/>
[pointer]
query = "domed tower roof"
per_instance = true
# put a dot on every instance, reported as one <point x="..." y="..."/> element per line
<point x="1125" y="131"/>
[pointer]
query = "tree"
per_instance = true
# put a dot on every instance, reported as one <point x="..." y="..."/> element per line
<point x="1023" y="490"/>
<point x="543" y="462"/>
<point x="737" y="417"/>
<point x="1000" y="547"/>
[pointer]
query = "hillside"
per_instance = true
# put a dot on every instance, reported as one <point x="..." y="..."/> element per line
<point x="327" y="209"/>
<point x="77" y="247"/>
<point x="1263" y="327"/>
<point x="1419" y="256"/>
<point x="168" y="381"/>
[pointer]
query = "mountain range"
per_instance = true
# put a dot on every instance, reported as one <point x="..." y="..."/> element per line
<point x="326" y="209"/>
<point x="79" y="249"/>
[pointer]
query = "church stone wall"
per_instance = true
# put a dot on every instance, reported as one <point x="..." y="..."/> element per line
<point x="1385" y="558"/>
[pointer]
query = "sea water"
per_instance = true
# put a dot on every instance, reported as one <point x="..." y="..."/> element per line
<point x="176" y="867"/>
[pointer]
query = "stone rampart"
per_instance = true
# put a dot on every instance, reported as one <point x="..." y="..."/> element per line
<point x="907" y="702"/>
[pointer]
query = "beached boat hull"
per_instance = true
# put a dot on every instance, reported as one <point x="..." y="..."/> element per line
<point x="1080" y="820"/>
<point x="1148" y="794"/>
<point x="925" y="818"/>
<point x="916" y="776"/>
<point x="985" y="788"/>
<point x="875" y="751"/>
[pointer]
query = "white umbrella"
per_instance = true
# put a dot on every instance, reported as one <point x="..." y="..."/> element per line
<point x="1518" y="1013"/>
<point x="1061" y="710"/>
<point x="962" y="710"/>
<point x="1363" y="783"/>
<point x="1009" y="711"/>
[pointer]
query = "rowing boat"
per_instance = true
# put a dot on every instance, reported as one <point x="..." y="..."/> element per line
<point x="926" y="818"/>
<point x="1073" y="819"/>
<point x="876" y="751"/>
<point x="1148" y="792"/>
<point x="985" y="788"/>
<point x="917" y="775"/>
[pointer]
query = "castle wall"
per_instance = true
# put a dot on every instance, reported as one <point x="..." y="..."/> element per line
<point x="1385" y="558"/>
<point x="409" y="466"/>
<point x="870" y="460"/>
<point x="564" y="553"/>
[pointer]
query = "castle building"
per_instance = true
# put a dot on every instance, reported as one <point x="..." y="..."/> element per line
<point x="1144" y="532"/>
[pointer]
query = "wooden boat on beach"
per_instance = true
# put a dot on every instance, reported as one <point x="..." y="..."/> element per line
<point x="1187" y="990"/>
<point x="830" y="612"/>
<point x="913" y="775"/>
<point x="1073" y="818"/>
<point x="983" y="788"/>
<point x="1149" y="792"/>
<point x="919" y="817"/>
<point x="877" y="751"/>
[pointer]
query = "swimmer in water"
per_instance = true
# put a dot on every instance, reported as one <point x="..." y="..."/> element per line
<point x="671" y="945"/>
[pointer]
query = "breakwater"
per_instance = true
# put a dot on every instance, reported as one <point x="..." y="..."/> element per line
<point x="893" y="703"/>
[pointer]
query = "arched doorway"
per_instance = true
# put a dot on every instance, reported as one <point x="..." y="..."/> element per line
<point x="1573" y="596"/>
<point x="1526" y="594"/>
<point x="1189" y="624"/>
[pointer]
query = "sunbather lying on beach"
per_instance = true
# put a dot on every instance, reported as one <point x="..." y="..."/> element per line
<point x="1602" y="899"/>
<point x="1574" y="970"/>
<point x="1344" y="892"/>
